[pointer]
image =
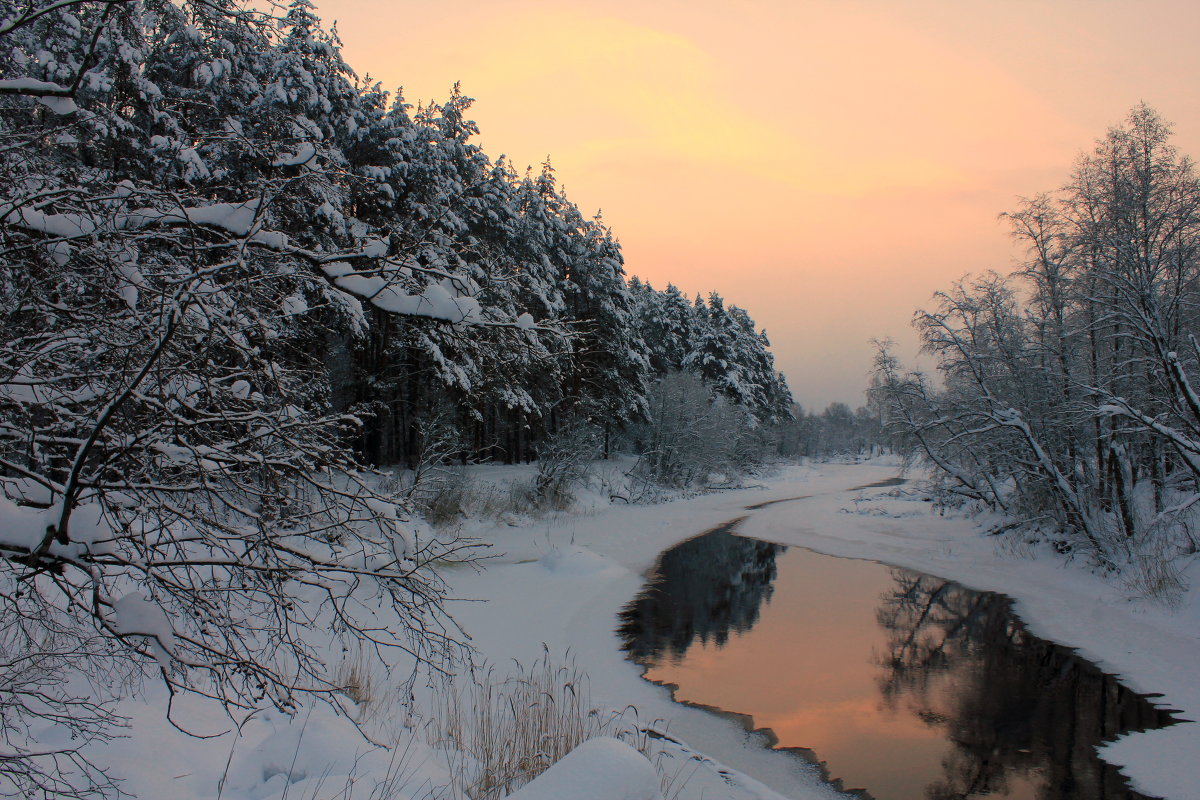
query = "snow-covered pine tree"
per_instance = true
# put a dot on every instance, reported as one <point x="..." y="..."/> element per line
<point x="771" y="399"/>
<point x="714" y="353"/>
<point x="668" y="324"/>
<point x="610" y="361"/>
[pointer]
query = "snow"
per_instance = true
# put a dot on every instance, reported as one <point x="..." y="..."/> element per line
<point x="577" y="562"/>
<point x="303" y="154"/>
<point x="556" y="586"/>
<point x="59" y="252"/>
<point x="294" y="305"/>
<point x="68" y="226"/>
<point x="21" y="527"/>
<point x="88" y="527"/>
<point x="237" y="218"/>
<point x="567" y="598"/>
<point x="1152" y="648"/>
<point x="43" y="90"/>
<point x="1155" y="758"/>
<point x="286" y="755"/>
<point x="375" y="248"/>
<point x="29" y="86"/>
<point x="134" y="615"/>
<point x="59" y="105"/>
<point x="599" y="769"/>
<point x="437" y="300"/>
<point x="132" y="280"/>
<point x="273" y="239"/>
<point x="399" y="527"/>
<point x="26" y="492"/>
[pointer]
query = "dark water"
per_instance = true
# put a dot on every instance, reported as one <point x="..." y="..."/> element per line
<point x="908" y="686"/>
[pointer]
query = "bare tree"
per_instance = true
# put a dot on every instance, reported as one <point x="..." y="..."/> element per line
<point x="1070" y="387"/>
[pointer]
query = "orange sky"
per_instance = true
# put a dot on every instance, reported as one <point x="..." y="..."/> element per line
<point x="826" y="165"/>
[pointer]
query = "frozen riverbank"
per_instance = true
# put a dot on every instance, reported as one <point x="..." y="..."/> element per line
<point x="558" y="584"/>
<point x="1152" y="649"/>
<point x="581" y="571"/>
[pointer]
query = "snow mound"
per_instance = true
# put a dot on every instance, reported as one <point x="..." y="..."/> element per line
<point x="303" y="154"/>
<point x="575" y="562"/>
<point x="21" y="528"/>
<point x="293" y="752"/>
<point x="599" y="769"/>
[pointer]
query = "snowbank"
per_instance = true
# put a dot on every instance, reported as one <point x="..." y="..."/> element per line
<point x="557" y="585"/>
<point x="599" y="769"/>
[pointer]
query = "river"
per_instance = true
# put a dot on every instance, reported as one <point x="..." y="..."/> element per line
<point x="905" y="686"/>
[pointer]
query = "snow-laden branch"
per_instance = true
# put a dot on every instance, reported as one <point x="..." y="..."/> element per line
<point x="449" y="299"/>
<point x="32" y="13"/>
<point x="55" y="97"/>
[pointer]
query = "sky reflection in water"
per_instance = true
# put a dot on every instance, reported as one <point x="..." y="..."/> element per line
<point x="910" y="686"/>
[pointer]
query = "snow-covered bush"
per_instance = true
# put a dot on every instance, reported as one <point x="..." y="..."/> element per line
<point x="564" y="463"/>
<point x="693" y="438"/>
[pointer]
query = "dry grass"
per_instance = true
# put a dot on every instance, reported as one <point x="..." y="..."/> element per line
<point x="354" y="680"/>
<point x="1155" y="576"/>
<point x="454" y="496"/>
<point x="502" y="732"/>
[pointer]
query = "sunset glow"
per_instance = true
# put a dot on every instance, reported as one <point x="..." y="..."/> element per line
<point x="828" y="166"/>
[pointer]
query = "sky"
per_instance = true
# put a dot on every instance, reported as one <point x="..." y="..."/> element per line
<point x="827" y="165"/>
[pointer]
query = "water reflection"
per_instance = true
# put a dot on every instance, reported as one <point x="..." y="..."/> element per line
<point x="706" y="588"/>
<point x="909" y="686"/>
<point x="1011" y="703"/>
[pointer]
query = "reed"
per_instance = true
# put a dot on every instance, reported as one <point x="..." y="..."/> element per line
<point x="499" y="733"/>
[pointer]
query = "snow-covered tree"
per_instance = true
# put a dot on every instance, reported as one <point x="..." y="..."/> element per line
<point x="233" y="277"/>
<point x="178" y="494"/>
<point x="1069" y="395"/>
<point x="668" y="324"/>
<point x="732" y="357"/>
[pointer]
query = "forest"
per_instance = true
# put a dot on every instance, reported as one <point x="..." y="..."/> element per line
<point x="1066" y="397"/>
<point x="236" y="279"/>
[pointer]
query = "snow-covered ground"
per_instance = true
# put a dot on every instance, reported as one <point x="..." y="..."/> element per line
<point x="1152" y="648"/>
<point x="556" y="585"/>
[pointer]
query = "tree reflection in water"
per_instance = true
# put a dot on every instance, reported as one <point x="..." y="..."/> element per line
<point x="703" y="590"/>
<point x="948" y="697"/>
<point x="1010" y="703"/>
